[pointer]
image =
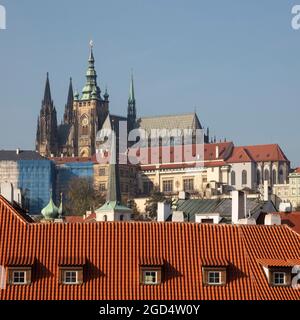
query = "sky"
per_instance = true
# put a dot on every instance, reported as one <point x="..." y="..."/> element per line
<point x="237" y="63"/>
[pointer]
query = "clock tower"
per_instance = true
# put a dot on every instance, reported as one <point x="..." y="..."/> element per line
<point x="90" y="111"/>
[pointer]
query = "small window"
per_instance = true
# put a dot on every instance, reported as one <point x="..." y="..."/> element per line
<point x="102" y="172"/>
<point x="279" y="278"/>
<point x="168" y="186"/>
<point x="70" y="277"/>
<point x="214" y="277"/>
<point x="233" y="178"/>
<point x="19" y="277"/>
<point x="102" y="187"/>
<point x="150" y="277"/>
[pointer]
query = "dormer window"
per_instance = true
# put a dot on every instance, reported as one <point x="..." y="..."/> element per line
<point x="19" y="277"/>
<point x="279" y="278"/>
<point x="70" y="277"/>
<point x="214" y="277"/>
<point x="71" y="270"/>
<point x="278" y="272"/>
<point x="19" y="270"/>
<point x="151" y="271"/>
<point x="150" y="277"/>
<point x="214" y="272"/>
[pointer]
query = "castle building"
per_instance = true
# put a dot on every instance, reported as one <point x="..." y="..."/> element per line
<point x="85" y="115"/>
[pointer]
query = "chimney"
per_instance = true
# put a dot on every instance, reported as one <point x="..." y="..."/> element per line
<point x="182" y="195"/>
<point x="7" y="191"/>
<point x="18" y="151"/>
<point x="238" y="206"/>
<point x="217" y="152"/>
<point x="163" y="211"/>
<point x="266" y="191"/>
<point x="177" y="216"/>
<point x="272" y="219"/>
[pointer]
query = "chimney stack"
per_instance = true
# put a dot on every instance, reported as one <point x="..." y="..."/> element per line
<point x="163" y="211"/>
<point x="238" y="205"/>
<point x="272" y="219"/>
<point x="17" y="151"/>
<point x="266" y="191"/>
<point x="217" y="152"/>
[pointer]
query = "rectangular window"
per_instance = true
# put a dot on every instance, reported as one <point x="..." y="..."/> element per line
<point x="214" y="277"/>
<point x="70" y="277"/>
<point x="19" y="277"/>
<point x="150" y="277"/>
<point x="102" y="172"/>
<point x="188" y="184"/>
<point x="168" y="186"/>
<point x="147" y="187"/>
<point x="102" y="187"/>
<point x="279" y="278"/>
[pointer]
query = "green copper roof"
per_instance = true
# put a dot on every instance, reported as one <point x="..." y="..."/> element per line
<point x="131" y="98"/>
<point x="113" y="205"/>
<point x="51" y="210"/>
<point x="60" y="209"/>
<point x="91" y="89"/>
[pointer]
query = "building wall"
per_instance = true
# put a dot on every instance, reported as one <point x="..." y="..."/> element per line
<point x="128" y="179"/>
<point x="68" y="171"/>
<point x="289" y="192"/>
<point x="36" y="179"/>
<point x="238" y="169"/>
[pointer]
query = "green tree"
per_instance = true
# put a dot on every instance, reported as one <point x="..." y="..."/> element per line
<point x="82" y="197"/>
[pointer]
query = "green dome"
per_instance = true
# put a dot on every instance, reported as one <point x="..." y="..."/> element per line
<point x="50" y="211"/>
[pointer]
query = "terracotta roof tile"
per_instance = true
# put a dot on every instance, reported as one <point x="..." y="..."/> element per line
<point x="113" y="251"/>
<point x="151" y="261"/>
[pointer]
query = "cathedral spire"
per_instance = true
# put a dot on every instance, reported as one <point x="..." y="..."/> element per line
<point x="47" y="95"/>
<point x="131" y="110"/>
<point x="68" y="115"/>
<point x="131" y="91"/>
<point x="91" y="79"/>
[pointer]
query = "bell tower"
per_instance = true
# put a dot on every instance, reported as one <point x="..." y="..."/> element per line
<point x="90" y="111"/>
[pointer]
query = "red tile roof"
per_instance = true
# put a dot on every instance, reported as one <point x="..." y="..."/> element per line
<point x="297" y="170"/>
<point x="278" y="262"/>
<point x="113" y="251"/>
<point x="292" y="219"/>
<point x="257" y="153"/>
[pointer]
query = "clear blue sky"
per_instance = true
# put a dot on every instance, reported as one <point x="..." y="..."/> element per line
<point x="237" y="62"/>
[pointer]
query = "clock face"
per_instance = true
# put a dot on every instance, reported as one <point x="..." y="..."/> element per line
<point x="85" y="121"/>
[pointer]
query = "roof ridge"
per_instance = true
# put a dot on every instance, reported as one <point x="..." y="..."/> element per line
<point x="14" y="211"/>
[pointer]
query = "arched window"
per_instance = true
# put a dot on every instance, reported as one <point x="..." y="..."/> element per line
<point x="244" y="177"/>
<point x="258" y="177"/>
<point x="233" y="178"/>
<point x="267" y="175"/>
<point x="281" y="176"/>
<point x="121" y="217"/>
<point x="274" y="176"/>
<point x="105" y="217"/>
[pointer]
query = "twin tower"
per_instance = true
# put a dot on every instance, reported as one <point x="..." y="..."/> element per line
<point x="84" y="115"/>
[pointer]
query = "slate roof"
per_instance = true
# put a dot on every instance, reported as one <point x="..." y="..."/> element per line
<point x="11" y="155"/>
<point x="112" y="253"/>
<point x="169" y="122"/>
<point x="191" y="207"/>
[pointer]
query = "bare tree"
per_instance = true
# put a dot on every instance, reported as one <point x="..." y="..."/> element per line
<point x="82" y="197"/>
